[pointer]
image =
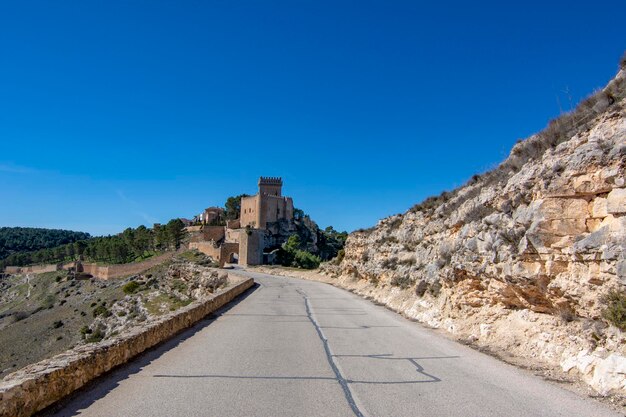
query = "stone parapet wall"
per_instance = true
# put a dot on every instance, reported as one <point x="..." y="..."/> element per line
<point x="37" y="386"/>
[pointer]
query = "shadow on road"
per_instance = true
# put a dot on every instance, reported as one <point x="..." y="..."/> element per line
<point x="101" y="386"/>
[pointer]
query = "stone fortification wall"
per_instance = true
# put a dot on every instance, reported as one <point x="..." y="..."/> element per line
<point x="215" y="233"/>
<point x="274" y="208"/>
<point x="232" y="235"/>
<point x="37" y="386"/>
<point x="221" y="253"/>
<point x="124" y="270"/>
<point x="33" y="269"/>
<point x="98" y="271"/>
<point x="249" y="209"/>
<point x="208" y="248"/>
<point x="228" y="250"/>
<point x="251" y="243"/>
<point x="233" y="224"/>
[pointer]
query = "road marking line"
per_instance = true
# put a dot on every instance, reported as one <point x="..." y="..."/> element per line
<point x="329" y="356"/>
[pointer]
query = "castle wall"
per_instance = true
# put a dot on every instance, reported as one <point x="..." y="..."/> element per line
<point x="215" y="233"/>
<point x="270" y="189"/>
<point x="226" y="250"/>
<point x="261" y="209"/>
<point x="276" y="208"/>
<point x="270" y="186"/>
<point x="123" y="270"/>
<point x="233" y="224"/>
<point x="251" y="247"/>
<point x="33" y="269"/>
<point x="232" y="235"/>
<point x="249" y="210"/>
<point x="208" y="248"/>
<point x="96" y="270"/>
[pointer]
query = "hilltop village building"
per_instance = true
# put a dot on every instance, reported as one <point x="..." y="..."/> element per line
<point x="262" y="218"/>
<point x="209" y="216"/>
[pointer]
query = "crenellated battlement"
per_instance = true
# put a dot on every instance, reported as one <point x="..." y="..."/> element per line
<point x="270" y="181"/>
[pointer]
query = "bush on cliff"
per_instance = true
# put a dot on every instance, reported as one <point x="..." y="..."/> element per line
<point x="290" y="254"/>
<point x="306" y="260"/>
<point x="615" y="312"/>
<point x="131" y="288"/>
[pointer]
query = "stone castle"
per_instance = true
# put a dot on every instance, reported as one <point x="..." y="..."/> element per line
<point x="263" y="220"/>
<point x="266" y="207"/>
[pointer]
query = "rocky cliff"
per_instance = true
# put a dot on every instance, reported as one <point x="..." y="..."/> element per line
<point x="520" y="259"/>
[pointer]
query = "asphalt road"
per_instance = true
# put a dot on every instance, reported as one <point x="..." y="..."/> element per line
<point x="302" y="348"/>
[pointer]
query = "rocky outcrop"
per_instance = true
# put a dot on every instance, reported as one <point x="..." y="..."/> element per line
<point x="520" y="258"/>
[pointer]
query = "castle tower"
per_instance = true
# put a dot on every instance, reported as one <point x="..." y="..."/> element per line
<point x="270" y="186"/>
<point x="268" y="206"/>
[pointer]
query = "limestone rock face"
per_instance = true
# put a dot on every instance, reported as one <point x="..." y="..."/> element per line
<point x="519" y="258"/>
<point x="200" y="281"/>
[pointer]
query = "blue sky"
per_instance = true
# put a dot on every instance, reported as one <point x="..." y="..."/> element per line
<point x="115" y="114"/>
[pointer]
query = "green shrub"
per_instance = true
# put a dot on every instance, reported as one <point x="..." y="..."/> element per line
<point x="101" y="310"/>
<point x="389" y="263"/>
<point x="20" y="315"/>
<point x="306" y="260"/>
<point x="48" y="302"/>
<point x="131" y="288"/>
<point x="178" y="285"/>
<point x="95" y="337"/>
<point x="615" y="311"/>
<point x="401" y="281"/>
<point x="57" y="324"/>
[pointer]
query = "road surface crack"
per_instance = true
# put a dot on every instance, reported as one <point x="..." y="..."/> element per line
<point x="329" y="356"/>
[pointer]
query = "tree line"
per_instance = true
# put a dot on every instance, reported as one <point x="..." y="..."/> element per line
<point x="24" y="239"/>
<point x="129" y="246"/>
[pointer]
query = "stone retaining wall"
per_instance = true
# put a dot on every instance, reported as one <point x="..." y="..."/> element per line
<point x="37" y="386"/>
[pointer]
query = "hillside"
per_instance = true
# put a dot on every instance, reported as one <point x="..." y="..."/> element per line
<point x="28" y="239"/>
<point x="528" y="260"/>
<point x="132" y="245"/>
<point x="45" y="314"/>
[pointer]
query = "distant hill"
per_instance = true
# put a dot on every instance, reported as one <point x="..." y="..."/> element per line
<point x="27" y="239"/>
